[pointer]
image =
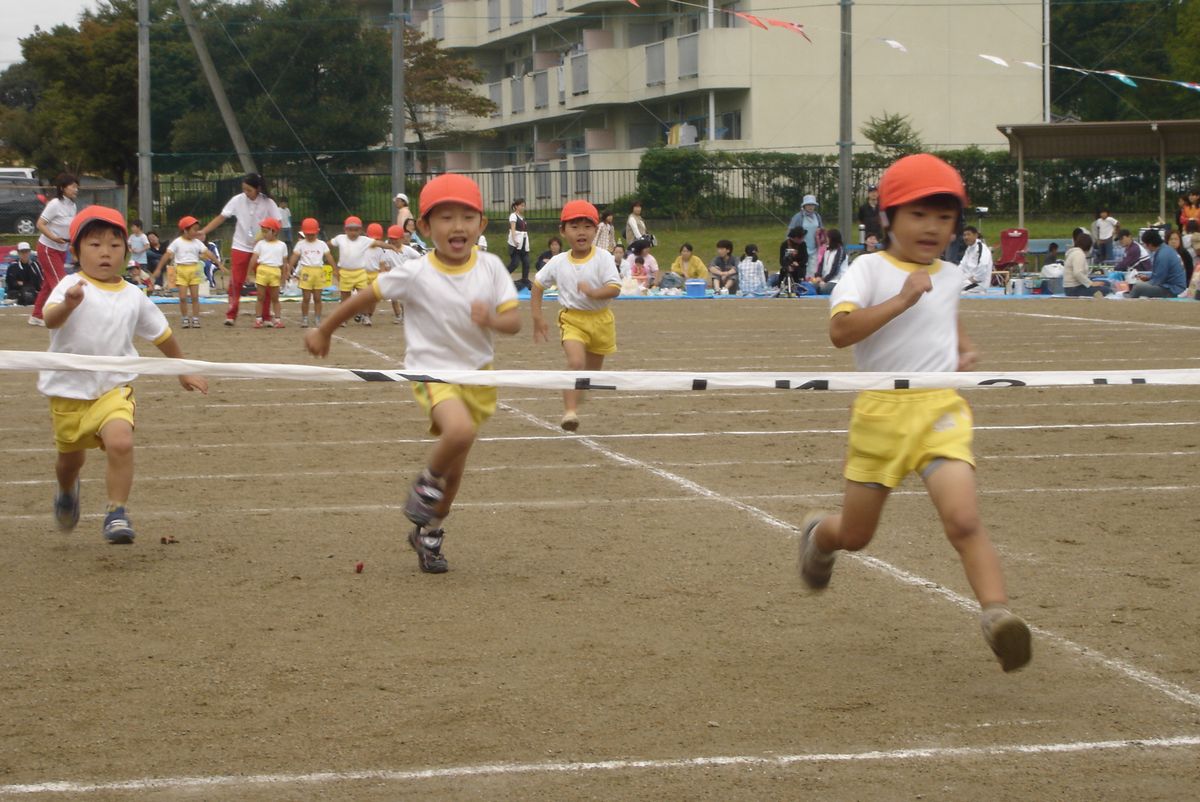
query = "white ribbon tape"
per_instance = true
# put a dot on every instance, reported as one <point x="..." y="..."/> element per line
<point x="594" y="380"/>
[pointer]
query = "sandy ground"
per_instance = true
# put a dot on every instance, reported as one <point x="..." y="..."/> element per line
<point x="629" y="595"/>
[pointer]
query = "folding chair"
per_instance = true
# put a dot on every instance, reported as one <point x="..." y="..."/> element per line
<point x="1014" y="244"/>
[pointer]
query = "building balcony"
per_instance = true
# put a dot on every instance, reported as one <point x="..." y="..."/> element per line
<point x="711" y="59"/>
<point x="454" y="24"/>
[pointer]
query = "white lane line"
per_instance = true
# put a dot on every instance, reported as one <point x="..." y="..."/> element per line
<point x="1169" y="689"/>
<point x="585" y="767"/>
<point x="1058" y="318"/>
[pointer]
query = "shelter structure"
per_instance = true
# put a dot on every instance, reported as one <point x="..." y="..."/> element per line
<point x="1157" y="139"/>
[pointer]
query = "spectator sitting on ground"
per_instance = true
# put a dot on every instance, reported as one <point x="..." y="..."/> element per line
<point x="24" y="277"/>
<point x="638" y="271"/>
<point x="793" y="258"/>
<point x="1175" y="240"/>
<point x="1076" y="282"/>
<point x="154" y="253"/>
<point x="642" y="247"/>
<point x="618" y="253"/>
<point x="1190" y="209"/>
<point x="1166" y="270"/>
<point x="1136" y="257"/>
<point x="870" y="245"/>
<point x="976" y="264"/>
<point x="723" y="268"/>
<point x="830" y="269"/>
<point x="688" y="264"/>
<point x="1053" y="257"/>
<point x="752" y="274"/>
<point x="553" y="248"/>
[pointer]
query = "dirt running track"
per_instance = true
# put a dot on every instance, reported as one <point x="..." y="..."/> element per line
<point x="622" y="618"/>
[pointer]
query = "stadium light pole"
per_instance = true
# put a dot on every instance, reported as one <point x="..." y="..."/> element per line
<point x="846" y="133"/>
<point x="145" y="205"/>
<point x="397" y="97"/>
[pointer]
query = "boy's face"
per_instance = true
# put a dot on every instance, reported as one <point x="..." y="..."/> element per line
<point x="1103" y="214"/>
<point x="268" y="234"/>
<point x="454" y="229"/>
<point x="101" y="253"/>
<point x="310" y="237"/>
<point x="579" y="233"/>
<point x="922" y="230"/>
<point x="1126" y="241"/>
<point x="135" y="229"/>
<point x="353" y="231"/>
<point x="192" y="231"/>
<point x="722" y="251"/>
<point x="872" y="242"/>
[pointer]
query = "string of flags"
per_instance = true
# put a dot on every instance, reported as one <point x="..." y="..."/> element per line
<point x="759" y="22"/>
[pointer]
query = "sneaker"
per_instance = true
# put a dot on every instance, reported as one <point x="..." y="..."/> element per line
<point x="228" y="321"/>
<point x="117" y="529"/>
<point x="358" y="318"/>
<point x="816" y="566"/>
<point x="258" y="323"/>
<point x="304" y="321"/>
<point x="279" y="323"/>
<point x="195" y="323"/>
<point x="186" y="324"/>
<point x="398" y="319"/>
<point x="569" y="422"/>
<point x="366" y="320"/>
<point x="1008" y="636"/>
<point x="317" y="320"/>
<point x="66" y="508"/>
<point x="36" y="321"/>
<point x="423" y="499"/>
<point x="428" y="546"/>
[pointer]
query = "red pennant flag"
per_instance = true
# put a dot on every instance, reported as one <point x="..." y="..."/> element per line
<point x="750" y="18"/>
<point x="794" y="27"/>
<point x="636" y="3"/>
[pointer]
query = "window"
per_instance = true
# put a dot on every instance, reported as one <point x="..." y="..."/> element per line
<point x="541" y="181"/>
<point x="518" y="95"/>
<point x="493" y="11"/>
<point x="579" y="74"/>
<point x="516" y="11"/>
<point x="496" y="93"/>
<point x="541" y="90"/>
<point x="564" y="190"/>
<point x="729" y="125"/>
<point x="689" y="56"/>
<point x="497" y="178"/>
<point x="583" y="175"/>
<point x="540" y="8"/>
<point x="656" y="64"/>
<point x="439" y="23"/>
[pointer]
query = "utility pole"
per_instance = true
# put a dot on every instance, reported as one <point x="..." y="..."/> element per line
<point x="846" y="133"/>
<point x="214" y="83"/>
<point x="145" y="206"/>
<point x="397" y="97"/>
<point x="1045" y="61"/>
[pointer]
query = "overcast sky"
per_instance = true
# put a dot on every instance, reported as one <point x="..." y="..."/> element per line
<point x="20" y="17"/>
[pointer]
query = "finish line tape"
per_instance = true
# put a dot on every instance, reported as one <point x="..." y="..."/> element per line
<point x="620" y="380"/>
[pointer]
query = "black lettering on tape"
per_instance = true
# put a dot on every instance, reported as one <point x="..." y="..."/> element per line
<point x="813" y="384"/>
<point x="1001" y="382"/>
<point x="372" y="376"/>
<point x="699" y="384"/>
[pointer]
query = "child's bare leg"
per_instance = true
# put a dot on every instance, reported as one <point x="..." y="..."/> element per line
<point x="449" y="457"/>
<point x="304" y="299"/>
<point x="118" y="446"/>
<point x="274" y="293"/>
<point x="577" y="359"/>
<point x="262" y="301"/>
<point x="952" y="488"/>
<point x="852" y="528"/>
<point x="183" y="302"/>
<point x="67" y="468"/>
<point x="196" y="300"/>
<point x="317" y="302"/>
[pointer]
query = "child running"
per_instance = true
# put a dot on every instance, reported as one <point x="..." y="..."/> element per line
<point x="307" y="262"/>
<point x="587" y="281"/>
<point x="96" y="312"/>
<point x="454" y="298"/>
<point x="266" y="265"/>
<point x="188" y="252"/>
<point x="899" y="309"/>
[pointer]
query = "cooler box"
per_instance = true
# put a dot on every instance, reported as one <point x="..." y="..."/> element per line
<point x="694" y="287"/>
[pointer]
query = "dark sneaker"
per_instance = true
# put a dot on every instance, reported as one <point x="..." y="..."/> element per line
<point x="569" y="422"/>
<point x="1008" y="636"/>
<point x="423" y="499"/>
<point x="117" y="529"/>
<point x="428" y="546"/>
<point x="66" y="508"/>
<point x="816" y="567"/>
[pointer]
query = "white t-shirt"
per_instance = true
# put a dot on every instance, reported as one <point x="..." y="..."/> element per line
<point x="249" y="214"/>
<point x="352" y="253"/>
<point x="597" y="269"/>
<point x="374" y="257"/>
<point x="437" y="302"/>
<point x="138" y="244"/>
<point x="922" y="338"/>
<point x="285" y="217"/>
<point x="104" y="324"/>
<point x="188" y="251"/>
<point x="58" y="214"/>
<point x="271" y="254"/>
<point x="393" y="259"/>
<point x="312" y="254"/>
<point x="516" y="238"/>
<point x="1105" y="227"/>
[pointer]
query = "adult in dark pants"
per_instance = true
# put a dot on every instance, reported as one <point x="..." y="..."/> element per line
<point x="518" y="242"/>
<point x="24" y="277"/>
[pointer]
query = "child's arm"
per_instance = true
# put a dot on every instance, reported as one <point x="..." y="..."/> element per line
<point x="968" y="355"/>
<point x="292" y="261"/>
<point x="163" y="261"/>
<point x="57" y="315"/>
<point x="598" y="293"/>
<point x="252" y="265"/>
<point x="541" y="331"/>
<point x="484" y="316"/>
<point x="360" y="303"/>
<point x="170" y="348"/>
<point x="848" y="328"/>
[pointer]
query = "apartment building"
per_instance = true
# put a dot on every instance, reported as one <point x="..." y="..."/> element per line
<point x="587" y="85"/>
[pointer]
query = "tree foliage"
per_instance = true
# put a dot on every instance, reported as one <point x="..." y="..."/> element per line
<point x="437" y="88"/>
<point x="892" y="135"/>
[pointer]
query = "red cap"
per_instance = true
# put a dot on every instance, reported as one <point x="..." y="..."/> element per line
<point x="395" y="232"/>
<point x="271" y="223"/>
<point x="186" y="222"/>
<point x="375" y="231"/>
<point x="310" y="226"/>
<point x="352" y="222"/>
<point x="450" y="188"/>
<point x="576" y="209"/>
<point x="92" y="213"/>
<point x="919" y="176"/>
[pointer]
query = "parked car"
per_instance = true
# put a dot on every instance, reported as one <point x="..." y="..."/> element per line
<point x="20" y="206"/>
<point x="17" y="172"/>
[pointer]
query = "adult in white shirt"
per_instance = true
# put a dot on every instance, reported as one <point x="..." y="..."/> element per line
<point x="976" y="264"/>
<point x="54" y="224"/>
<point x="518" y="242"/>
<point x="250" y="207"/>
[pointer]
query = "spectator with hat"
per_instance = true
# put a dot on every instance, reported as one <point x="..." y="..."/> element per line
<point x="249" y="208"/>
<point x="868" y="215"/>
<point x="809" y="219"/>
<point x="403" y="213"/>
<point x="188" y="253"/>
<point x="24" y="277"/>
<point x="266" y="262"/>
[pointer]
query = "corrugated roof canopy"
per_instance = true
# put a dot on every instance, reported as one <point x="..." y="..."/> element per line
<point x="1107" y="140"/>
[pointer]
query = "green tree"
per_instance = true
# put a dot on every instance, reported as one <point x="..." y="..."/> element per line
<point x="892" y="135"/>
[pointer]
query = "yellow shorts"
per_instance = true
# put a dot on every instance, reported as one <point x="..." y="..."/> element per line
<point x="328" y="275"/>
<point x="77" y="422"/>
<point x="351" y="280"/>
<point x="596" y="329"/>
<point x="896" y="432"/>
<point x="188" y="275"/>
<point x="268" y="275"/>
<point x="480" y="401"/>
<point x="312" y="278"/>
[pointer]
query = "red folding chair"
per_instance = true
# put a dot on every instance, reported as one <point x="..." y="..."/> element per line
<point x="1014" y="242"/>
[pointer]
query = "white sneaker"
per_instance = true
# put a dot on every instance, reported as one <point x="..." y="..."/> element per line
<point x="366" y="320"/>
<point x="36" y="321"/>
<point x="195" y="323"/>
<point x="304" y="321"/>
<point x="398" y="319"/>
<point x="186" y="324"/>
